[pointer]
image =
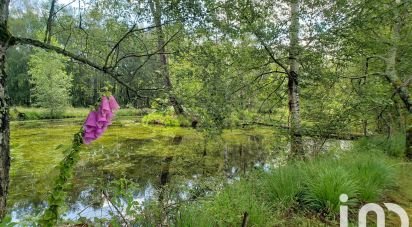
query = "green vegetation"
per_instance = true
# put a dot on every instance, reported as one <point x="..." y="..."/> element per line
<point x="165" y="119"/>
<point x="51" y="82"/>
<point x="31" y="113"/>
<point x="307" y="189"/>
<point x="230" y="110"/>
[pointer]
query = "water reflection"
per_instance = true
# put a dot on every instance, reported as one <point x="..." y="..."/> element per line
<point x="167" y="164"/>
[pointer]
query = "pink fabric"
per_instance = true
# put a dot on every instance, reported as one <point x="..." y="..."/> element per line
<point x="97" y="121"/>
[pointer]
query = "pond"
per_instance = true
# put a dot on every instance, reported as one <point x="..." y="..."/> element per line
<point x="150" y="156"/>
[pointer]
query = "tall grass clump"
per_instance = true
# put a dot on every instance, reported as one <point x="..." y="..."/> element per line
<point x="363" y="177"/>
<point x="323" y="185"/>
<point x="374" y="174"/>
<point x="228" y="207"/>
<point x="393" y="145"/>
<point x="282" y="185"/>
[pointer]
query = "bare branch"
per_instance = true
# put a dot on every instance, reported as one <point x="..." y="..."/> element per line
<point x="118" y="43"/>
<point x="45" y="46"/>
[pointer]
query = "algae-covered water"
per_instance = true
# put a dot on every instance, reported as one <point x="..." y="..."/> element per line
<point x="150" y="156"/>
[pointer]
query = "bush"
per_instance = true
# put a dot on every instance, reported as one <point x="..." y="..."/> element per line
<point x="282" y="185"/>
<point x="374" y="175"/>
<point x="323" y="186"/>
<point x="392" y="146"/>
<point x="166" y="119"/>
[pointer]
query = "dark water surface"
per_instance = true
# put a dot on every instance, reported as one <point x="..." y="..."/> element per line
<point x="150" y="156"/>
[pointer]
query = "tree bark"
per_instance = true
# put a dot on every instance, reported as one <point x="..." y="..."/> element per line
<point x="4" y="110"/>
<point x="157" y="18"/>
<point x="48" y="34"/>
<point x="392" y="76"/>
<point x="293" y="85"/>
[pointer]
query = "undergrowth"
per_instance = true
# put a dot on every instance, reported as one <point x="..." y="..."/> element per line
<point x="296" y="193"/>
<point x="166" y="119"/>
<point x="31" y="113"/>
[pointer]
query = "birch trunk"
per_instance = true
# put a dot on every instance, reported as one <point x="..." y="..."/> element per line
<point x="4" y="111"/>
<point x="155" y="7"/>
<point x="393" y="77"/>
<point x="293" y="85"/>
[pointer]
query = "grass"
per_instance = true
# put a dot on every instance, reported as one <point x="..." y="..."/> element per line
<point x="302" y="193"/>
<point x="32" y="113"/>
<point x="228" y="207"/>
<point x="392" y="146"/>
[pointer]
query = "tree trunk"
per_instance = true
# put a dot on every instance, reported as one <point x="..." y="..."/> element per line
<point x="4" y="110"/>
<point x="157" y="18"/>
<point x="408" y="144"/>
<point x="393" y="78"/>
<point x="48" y="34"/>
<point x="293" y="87"/>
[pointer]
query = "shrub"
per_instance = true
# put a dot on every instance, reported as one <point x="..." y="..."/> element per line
<point x="392" y="146"/>
<point x="165" y="119"/>
<point x="324" y="184"/>
<point x="282" y="185"/>
<point x="374" y="175"/>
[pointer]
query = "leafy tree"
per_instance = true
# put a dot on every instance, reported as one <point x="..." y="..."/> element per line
<point x="51" y="82"/>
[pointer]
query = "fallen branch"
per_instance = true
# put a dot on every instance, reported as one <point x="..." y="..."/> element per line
<point x="313" y="133"/>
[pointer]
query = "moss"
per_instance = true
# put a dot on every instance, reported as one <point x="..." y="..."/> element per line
<point x="127" y="149"/>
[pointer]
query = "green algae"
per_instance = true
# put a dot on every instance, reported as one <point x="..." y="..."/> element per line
<point x="128" y="149"/>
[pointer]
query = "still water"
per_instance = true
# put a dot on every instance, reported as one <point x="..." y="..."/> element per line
<point x="148" y="155"/>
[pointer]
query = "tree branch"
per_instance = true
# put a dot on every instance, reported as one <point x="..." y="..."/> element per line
<point x="45" y="46"/>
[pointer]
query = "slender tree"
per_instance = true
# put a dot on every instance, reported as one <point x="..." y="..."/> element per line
<point x="4" y="109"/>
<point x="156" y="10"/>
<point x="392" y="76"/>
<point x="293" y="85"/>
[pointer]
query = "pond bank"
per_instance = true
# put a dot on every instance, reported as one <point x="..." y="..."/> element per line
<point x="307" y="193"/>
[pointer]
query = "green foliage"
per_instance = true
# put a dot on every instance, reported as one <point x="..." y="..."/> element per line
<point x="374" y="175"/>
<point x="166" y="119"/>
<point x="51" y="82"/>
<point x="392" y="146"/>
<point x="6" y="222"/>
<point x="304" y="188"/>
<point x="57" y="196"/>
<point x="30" y="113"/>
<point x="227" y="208"/>
<point x="120" y="193"/>
<point x="283" y="185"/>
<point x="324" y="184"/>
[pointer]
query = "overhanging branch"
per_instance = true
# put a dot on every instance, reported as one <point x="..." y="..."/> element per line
<point x="36" y="43"/>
